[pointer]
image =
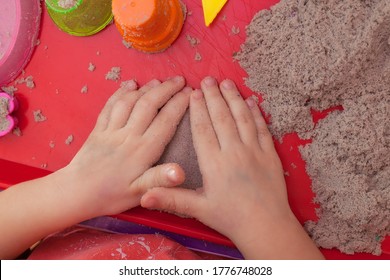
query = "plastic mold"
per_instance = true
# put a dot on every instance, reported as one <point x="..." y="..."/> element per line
<point x="7" y="122"/>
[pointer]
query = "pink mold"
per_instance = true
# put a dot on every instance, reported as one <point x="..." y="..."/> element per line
<point x="11" y="120"/>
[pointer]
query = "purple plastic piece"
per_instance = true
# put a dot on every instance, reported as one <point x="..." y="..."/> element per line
<point x="119" y="226"/>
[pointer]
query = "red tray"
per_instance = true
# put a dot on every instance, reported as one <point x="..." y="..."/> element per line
<point x="60" y="69"/>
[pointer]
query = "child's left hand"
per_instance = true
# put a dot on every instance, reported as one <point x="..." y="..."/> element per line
<point x="114" y="169"/>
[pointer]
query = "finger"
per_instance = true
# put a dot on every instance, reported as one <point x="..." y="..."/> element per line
<point x="148" y="86"/>
<point x="203" y="134"/>
<point x="148" y="105"/>
<point x="219" y="112"/>
<point x="175" y="200"/>
<point x="241" y="114"/>
<point x="165" y="175"/>
<point x="165" y="123"/>
<point x="104" y="116"/>
<point x="263" y="134"/>
<point x="122" y="109"/>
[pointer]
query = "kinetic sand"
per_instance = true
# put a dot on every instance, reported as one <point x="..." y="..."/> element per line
<point x="4" y="123"/>
<point x="305" y="55"/>
<point x="67" y="4"/>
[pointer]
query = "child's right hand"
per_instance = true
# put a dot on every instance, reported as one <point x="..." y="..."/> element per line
<point x="244" y="193"/>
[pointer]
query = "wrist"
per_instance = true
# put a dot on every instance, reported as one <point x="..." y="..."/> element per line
<point x="73" y="196"/>
<point x="282" y="238"/>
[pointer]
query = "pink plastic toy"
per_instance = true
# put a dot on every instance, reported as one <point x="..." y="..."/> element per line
<point x="19" y="28"/>
<point x="7" y="122"/>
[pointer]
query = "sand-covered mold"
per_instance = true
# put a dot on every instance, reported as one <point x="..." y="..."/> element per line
<point x="305" y="55"/>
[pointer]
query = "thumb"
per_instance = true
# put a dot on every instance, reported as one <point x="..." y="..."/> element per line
<point x="164" y="175"/>
<point x="186" y="202"/>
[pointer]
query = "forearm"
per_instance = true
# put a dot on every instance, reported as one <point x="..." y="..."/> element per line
<point x="33" y="210"/>
<point x="278" y="240"/>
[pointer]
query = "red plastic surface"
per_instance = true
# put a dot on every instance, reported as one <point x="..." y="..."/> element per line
<point x="60" y="69"/>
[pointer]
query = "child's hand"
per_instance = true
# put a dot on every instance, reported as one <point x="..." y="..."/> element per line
<point x="114" y="169"/>
<point x="108" y="175"/>
<point x="244" y="194"/>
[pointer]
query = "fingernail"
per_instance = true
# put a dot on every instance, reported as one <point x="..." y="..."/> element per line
<point x="187" y="90"/>
<point x="228" y="84"/>
<point x="172" y="174"/>
<point x="251" y="103"/>
<point x="154" y="83"/>
<point x="178" y="79"/>
<point x="197" y="94"/>
<point x="209" y="81"/>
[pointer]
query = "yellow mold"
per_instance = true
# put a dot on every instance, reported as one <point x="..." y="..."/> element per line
<point x="211" y="9"/>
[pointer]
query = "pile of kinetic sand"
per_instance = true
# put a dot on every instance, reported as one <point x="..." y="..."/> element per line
<point x="181" y="151"/>
<point x="305" y="55"/>
<point x="114" y="74"/>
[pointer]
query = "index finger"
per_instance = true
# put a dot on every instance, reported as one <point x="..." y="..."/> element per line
<point x="203" y="134"/>
<point x="151" y="102"/>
